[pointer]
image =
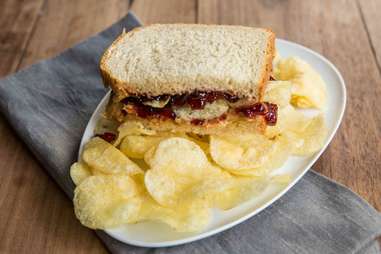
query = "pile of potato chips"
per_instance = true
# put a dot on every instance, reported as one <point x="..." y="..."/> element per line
<point x="176" y="178"/>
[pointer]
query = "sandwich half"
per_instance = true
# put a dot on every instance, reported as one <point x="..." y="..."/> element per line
<point x="204" y="79"/>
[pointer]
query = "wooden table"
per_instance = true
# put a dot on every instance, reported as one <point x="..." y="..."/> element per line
<point x="36" y="217"/>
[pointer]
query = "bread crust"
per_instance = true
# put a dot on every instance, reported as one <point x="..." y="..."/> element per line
<point x="123" y="89"/>
<point x="118" y="86"/>
<point x="267" y="68"/>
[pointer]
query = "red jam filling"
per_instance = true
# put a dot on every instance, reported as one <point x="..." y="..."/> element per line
<point x="268" y="110"/>
<point x="198" y="121"/>
<point x="145" y="111"/>
<point x="107" y="136"/>
<point x="197" y="100"/>
<point x="202" y="121"/>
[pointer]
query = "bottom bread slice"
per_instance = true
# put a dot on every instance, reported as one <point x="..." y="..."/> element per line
<point x="229" y="124"/>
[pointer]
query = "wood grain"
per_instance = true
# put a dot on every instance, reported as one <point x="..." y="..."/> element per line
<point x="72" y="22"/>
<point x="334" y="29"/>
<point x="168" y="11"/>
<point x="369" y="10"/>
<point x="17" y="21"/>
<point x="35" y="216"/>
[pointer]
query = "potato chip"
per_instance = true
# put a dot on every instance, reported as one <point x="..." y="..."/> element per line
<point x="201" y="140"/>
<point x="198" y="137"/>
<point x="148" y="156"/>
<point x="217" y="191"/>
<point x="254" y="172"/>
<point x="104" y="157"/>
<point x="167" y="185"/>
<point x="126" y="212"/>
<point x="300" y="101"/>
<point x="309" y="90"/>
<point x="132" y="128"/>
<point x="176" y="164"/>
<point x="224" y="153"/>
<point x="180" y="154"/>
<point x="135" y="146"/>
<point x="289" y="119"/>
<point x="279" y="154"/>
<point x="79" y="171"/>
<point x="277" y="57"/>
<point x="162" y="186"/>
<point x="279" y="93"/>
<point x="224" y="191"/>
<point x="240" y="151"/>
<point x="313" y="137"/>
<point x="190" y="215"/>
<point x="141" y="163"/>
<point x="273" y="160"/>
<point x="106" y="125"/>
<point x="295" y="120"/>
<point x="241" y="190"/>
<point x="106" y="201"/>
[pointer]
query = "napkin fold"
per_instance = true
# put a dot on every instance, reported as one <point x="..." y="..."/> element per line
<point x="50" y="103"/>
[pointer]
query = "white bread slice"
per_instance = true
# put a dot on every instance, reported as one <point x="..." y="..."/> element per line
<point x="233" y="123"/>
<point x="181" y="58"/>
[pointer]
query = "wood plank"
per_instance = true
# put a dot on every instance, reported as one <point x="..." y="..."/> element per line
<point x="369" y="12"/>
<point x="38" y="218"/>
<point x="168" y="11"/>
<point x="17" y="20"/>
<point x="52" y="226"/>
<point x="73" y="21"/>
<point x="335" y="29"/>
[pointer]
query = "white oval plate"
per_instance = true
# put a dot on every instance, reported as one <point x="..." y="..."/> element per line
<point x="154" y="234"/>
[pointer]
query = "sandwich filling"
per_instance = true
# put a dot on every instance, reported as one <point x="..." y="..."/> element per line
<point x="198" y="108"/>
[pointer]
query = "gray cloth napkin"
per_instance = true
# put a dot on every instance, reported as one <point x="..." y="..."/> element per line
<point x="50" y="103"/>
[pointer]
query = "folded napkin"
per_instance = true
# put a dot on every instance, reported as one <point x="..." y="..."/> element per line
<point x="50" y="103"/>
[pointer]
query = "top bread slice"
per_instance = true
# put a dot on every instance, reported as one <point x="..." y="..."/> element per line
<point x="181" y="58"/>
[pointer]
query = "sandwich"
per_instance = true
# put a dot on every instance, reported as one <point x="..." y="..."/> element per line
<point x="202" y="79"/>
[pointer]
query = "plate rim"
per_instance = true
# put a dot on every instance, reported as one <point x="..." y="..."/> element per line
<point x="266" y="204"/>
